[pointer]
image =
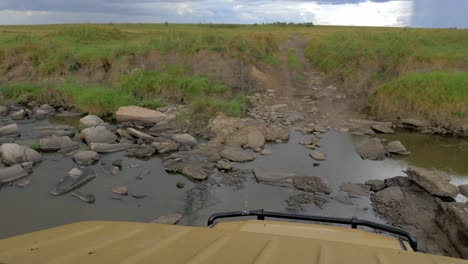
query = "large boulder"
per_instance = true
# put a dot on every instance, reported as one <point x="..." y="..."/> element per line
<point x="185" y="140"/>
<point x="91" y="120"/>
<point x="433" y="181"/>
<point x="15" y="172"/>
<point x="396" y="147"/>
<point x="376" y="185"/>
<point x="197" y="164"/>
<point x="371" y="150"/>
<point x="98" y="134"/>
<point x="274" y="177"/>
<point x="12" y="153"/>
<point x="453" y="219"/>
<point x="86" y="157"/>
<point x="10" y="130"/>
<point x="274" y="133"/>
<point x="255" y="139"/>
<point x="311" y="184"/>
<point x="463" y="189"/>
<point x="355" y="190"/>
<point x="237" y="154"/>
<point x="54" y="143"/>
<point x="414" y="210"/>
<point x="139" y="114"/>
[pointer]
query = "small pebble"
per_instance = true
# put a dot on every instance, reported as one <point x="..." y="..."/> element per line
<point x="180" y="185"/>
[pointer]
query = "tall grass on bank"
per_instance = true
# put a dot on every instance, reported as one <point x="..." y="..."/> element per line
<point x="144" y="88"/>
<point x="363" y="56"/>
<point x="437" y="96"/>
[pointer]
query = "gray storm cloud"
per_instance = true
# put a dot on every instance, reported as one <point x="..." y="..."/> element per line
<point x="438" y="13"/>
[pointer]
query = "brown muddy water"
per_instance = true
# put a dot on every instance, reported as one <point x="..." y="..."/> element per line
<point x="32" y="208"/>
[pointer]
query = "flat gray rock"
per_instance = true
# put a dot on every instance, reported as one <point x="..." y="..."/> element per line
<point x="86" y="157"/>
<point x="371" y="150"/>
<point x="274" y="177"/>
<point x="9" y="130"/>
<point x="311" y="184"/>
<point x="433" y="181"/>
<point x="172" y="219"/>
<point x="74" y="180"/>
<point x="237" y="154"/>
<point x="355" y="190"/>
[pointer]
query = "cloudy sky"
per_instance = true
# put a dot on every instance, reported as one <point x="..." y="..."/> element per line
<point x="417" y="13"/>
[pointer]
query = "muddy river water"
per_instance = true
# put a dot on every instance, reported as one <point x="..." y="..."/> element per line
<point x="32" y="208"/>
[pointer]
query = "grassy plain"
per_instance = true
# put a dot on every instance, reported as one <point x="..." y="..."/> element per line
<point x="399" y="69"/>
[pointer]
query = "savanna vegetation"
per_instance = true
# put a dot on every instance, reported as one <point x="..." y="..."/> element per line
<point x="100" y="67"/>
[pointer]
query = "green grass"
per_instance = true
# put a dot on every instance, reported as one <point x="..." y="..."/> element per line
<point x="377" y="54"/>
<point x="172" y="82"/>
<point x="204" y="106"/>
<point x="437" y="96"/>
<point x="294" y="62"/>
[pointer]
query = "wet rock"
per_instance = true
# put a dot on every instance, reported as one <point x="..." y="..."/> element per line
<point x="139" y="196"/>
<point x="87" y="198"/>
<point x="255" y="139"/>
<point x="10" y="130"/>
<point x="111" y="167"/>
<point x="141" y="152"/>
<point x="135" y="113"/>
<point x="463" y="189"/>
<point x="172" y="219"/>
<point x="274" y="177"/>
<point x="185" y="140"/>
<point x="180" y="185"/>
<point x="59" y="133"/>
<point x="400" y="181"/>
<point x="74" y="180"/>
<point x="376" y="185"/>
<point x="91" y="121"/>
<point x="396" y="147"/>
<point x="355" y="190"/>
<point x="274" y="132"/>
<point x="297" y="201"/>
<point x="384" y="129"/>
<point x="12" y="153"/>
<point x="224" y="165"/>
<point x="98" y="134"/>
<point x="237" y="154"/>
<point x="435" y="182"/>
<point x="316" y="155"/>
<point x="165" y="146"/>
<point x="18" y="115"/>
<point x="86" y="157"/>
<point x="372" y="150"/>
<point x="122" y="190"/>
<point x="139" y="134"/>
<point x="3" y="110"/>
<point x="343" y="197"/>
<point x="453" y="219"/>
<point x="55" y="143"/>
<point x="15" y="172"/>
<point x="311" y="184"/>
<point x="414" y="122"/>
<point x="266" y="151"/>
<point x="143" y="173"/>
<point x="23" y="183"/>
<point x="320" y="129"/>
<point x="413" y="210"/>
<point x="197" y="163"/>
<point x="110" y="148"/>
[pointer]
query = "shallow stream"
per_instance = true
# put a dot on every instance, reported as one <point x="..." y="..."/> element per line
<point x="32" y="208"/>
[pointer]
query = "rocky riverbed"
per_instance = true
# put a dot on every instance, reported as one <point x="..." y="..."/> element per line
<point x="60" y="167"/>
